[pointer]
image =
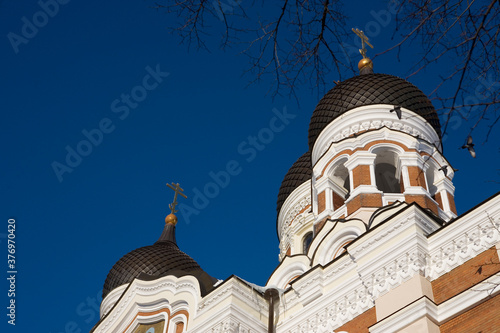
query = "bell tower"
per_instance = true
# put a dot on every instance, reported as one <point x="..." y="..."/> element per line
<point x="374" y="141"/>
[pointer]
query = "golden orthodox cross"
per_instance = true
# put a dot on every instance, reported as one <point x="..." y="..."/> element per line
<point x="178" y="190"/>
<point x="364" y="40"/>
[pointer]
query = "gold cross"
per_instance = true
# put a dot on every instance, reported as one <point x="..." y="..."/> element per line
<point x="364" y="40"/>
<point x="178" y="190"/>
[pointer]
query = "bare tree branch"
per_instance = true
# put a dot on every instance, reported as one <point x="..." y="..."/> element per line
<point x="304" y="42"/>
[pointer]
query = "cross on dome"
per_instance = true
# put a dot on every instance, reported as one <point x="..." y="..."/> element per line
<point x="178" y="190"/>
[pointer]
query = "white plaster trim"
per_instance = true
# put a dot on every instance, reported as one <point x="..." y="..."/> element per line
<point x="385" y="258"/>
<point x="372" y="117"/>
<point x="231" y="319"/>
<point x="289" y="268"/>
<point x="445" y="184"/>
<point x="468" y="236"/>
<point x="442" y="313"/>
<point x="360" y="158"/>
<point x="363" y="189"/>
<point x="392" y="197"/>
<point x="412" y="159"/>
<point x="468" y="299"/>
<point x="333" y="241"/>
<point x="382" y="134"/>
<point x="340" y="305"/>
<point x="148" y="319"/>
<point x="394" y="227"/>
<point x="290" y="220"/>
<point x="180" y="318"/>
<point x="418" y="190"/>
<point x="323" y="183"/>
<point x="231" y="288"/>
<point x="110" y="300"/>
<point x="131" y="302"/>
<point x="406" y="316"/>
<point x="222" y="310"/>
<point x="323" y="214"/>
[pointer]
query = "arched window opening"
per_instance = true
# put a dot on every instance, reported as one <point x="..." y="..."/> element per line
<point x="429" y="174"/>
<point x="306" y="242"/>
<point x="341" y="177"/>
<point x="387" y="173"/>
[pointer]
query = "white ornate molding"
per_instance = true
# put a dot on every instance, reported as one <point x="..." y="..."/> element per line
<point x="372" y="117"/>
<point x="110" y="300"/>
<point x="328" y="312"/>
<point x="446" y="254"/>
<point x="231" y="325"/>
<point x="439" y="313"/>
<point x="232" y="287"/>
<point x="332" y="244"/>
<point x="147" y="296"/>
<point x="288" y="269"/>
<point x="406" y="244"/>
<point x="232" y="307"/>
<point x="293" y="215"/>
<point x="385" y="137"/>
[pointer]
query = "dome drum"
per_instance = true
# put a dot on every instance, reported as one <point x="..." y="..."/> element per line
<point x="370" y="89"/>
<point x="371" y="118"/>
<point x="384" y="166"/>
<point x="366" y="140"/>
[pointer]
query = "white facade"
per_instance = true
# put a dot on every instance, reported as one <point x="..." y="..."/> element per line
<point x="376" y="255"/>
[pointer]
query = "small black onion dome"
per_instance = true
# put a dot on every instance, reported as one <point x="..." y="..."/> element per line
<point x="155" y="261"/>
<point x="369" y="89"/>
<point x="300" y="172"/>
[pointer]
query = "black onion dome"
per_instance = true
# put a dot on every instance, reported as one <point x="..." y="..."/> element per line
<point x="369" y="89"/>
<point x="300" y="172"/>
<point x="151" y="262"/>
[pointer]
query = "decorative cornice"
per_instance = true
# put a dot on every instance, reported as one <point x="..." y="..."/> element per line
<point x="110" y="300"/>
<point x="293" y="205"/>
<point x="230" y="325"/>
<point x="448" y="254"/>
<point x="216" y="315"/>
<point x="121" y="316"/>
<point x="231" y="288"/>
<point x="441" y="313"/>
<point x="297" y="205"/>
<point x="407" y="244"/>
<point x="414" y="216"/>
<point x="372" y="117"/>
<point x="231" y="321"/>
<point x="360" y="158"/>
<point x="288" y="269"/>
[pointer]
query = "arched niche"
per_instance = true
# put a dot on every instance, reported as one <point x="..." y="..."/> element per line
<point x="431" y="176"/>
<point x="387" y="169"/>
<point x="289" y="270"/>
<point x="332" y="244"/>
<point x="339" y="176"/>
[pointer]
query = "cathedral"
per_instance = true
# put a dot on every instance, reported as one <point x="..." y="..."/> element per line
<point x="369" y="237"/>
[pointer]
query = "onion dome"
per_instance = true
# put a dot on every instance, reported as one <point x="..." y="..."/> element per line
<point x="369" y="89"/>
<point x="300" y="172"/>
<point x="163" y="258"/>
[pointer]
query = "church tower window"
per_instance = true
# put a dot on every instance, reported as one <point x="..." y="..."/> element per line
<point x="306" y="243"/>
<point x="387" y="174"/>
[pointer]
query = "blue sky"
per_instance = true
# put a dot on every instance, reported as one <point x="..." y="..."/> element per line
<point x="193" y="118"/>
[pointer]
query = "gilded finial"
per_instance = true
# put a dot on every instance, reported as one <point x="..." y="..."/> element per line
<point x="365" y="62"/>
<point x="171" y="218"/>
